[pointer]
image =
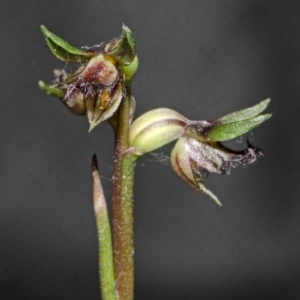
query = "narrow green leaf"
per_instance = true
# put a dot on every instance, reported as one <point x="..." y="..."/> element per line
<point x="245" y="114"/>
<point x="228" y="131"/>
<point x="106" y="265"/>
<point x="63" y="50"/>
<point x="123" y="49"/>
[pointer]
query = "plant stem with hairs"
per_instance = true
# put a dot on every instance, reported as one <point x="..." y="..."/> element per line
<point x="101" y="89"/>
<point x="123" y="182"/>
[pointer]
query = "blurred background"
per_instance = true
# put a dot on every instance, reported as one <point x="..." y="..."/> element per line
<point x="201" y="58"/>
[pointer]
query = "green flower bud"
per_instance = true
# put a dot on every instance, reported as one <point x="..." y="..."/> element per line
<point x="155" y="129"/>
<point x="193" y="160"/>
<point x="130" y="70"/>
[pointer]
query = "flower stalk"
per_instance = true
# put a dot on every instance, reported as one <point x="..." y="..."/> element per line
<point x="123" y="183"/>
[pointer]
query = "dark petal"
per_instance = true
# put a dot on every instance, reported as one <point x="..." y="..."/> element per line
<point x="233" y="159"/>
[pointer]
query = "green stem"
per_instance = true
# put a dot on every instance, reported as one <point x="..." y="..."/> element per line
<point x="123" y="181"/>
<point x="106" y="268"/>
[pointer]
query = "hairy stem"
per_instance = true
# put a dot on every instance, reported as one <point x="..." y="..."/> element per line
<point x="123" y="181"/>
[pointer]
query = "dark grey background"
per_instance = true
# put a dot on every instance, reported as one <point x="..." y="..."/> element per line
<point x="202" y="58"/>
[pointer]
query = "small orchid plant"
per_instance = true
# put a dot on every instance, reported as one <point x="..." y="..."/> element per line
<point x="101" y="89"/>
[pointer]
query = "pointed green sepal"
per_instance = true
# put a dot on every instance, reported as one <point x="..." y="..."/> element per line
<point x="123" y="49"/>
<point x="227" y="131"/>
<point x="63" y="50"/>
<point x="245" y="114"/>
<point x="51" y="89"/>
<point x="74" y="102"/>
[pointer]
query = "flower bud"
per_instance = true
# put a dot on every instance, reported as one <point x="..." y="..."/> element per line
<point x="130" y="70"/>
<point x="193" y="161"/>
<point x="155" y="129"/>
